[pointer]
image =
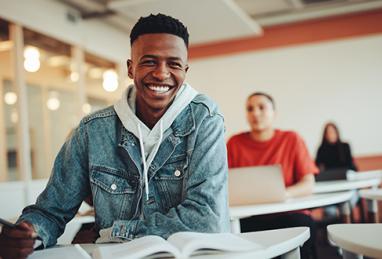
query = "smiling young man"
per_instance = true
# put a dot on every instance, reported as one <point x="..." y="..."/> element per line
<point x="154" y="163"/>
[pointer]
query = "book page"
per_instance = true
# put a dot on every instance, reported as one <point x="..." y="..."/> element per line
<point x="190" y="243"/>
<point x="137" y="248"/>
<point x="64" y="252"/>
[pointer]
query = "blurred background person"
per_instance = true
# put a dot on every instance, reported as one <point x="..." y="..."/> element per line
<point x="265" y="145"/>
<point x="334" y="159"/>
<point x="333" y="153"/>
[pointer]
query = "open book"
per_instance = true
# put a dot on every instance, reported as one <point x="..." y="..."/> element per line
<point x="178" y="245"/>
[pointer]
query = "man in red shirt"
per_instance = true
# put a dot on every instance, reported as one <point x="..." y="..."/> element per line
<point x="264" y="145"/>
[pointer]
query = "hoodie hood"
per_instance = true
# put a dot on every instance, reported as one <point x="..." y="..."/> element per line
<point x="150" y="139"/>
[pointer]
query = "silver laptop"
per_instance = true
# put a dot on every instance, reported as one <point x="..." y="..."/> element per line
<point x="254" y="185"/>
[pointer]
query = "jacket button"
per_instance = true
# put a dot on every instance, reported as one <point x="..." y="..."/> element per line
<point x="177" y="173"/>
<point x="113" y="186"/>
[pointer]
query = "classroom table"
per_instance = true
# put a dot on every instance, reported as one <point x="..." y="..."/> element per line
<point x="370" y="180"/>
<point x="307" y="202"/>
<point x="345" y="185"/>
<point x="352" y="175"/>
<point x="279" y="242"/>
<point x="357" y="240"/>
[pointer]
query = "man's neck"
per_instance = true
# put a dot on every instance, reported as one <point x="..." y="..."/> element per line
<point x="263" y="135"/>
<point x="149" y="118"/>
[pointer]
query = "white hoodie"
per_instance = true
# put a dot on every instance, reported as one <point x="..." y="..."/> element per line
<point x="150" y="140"/>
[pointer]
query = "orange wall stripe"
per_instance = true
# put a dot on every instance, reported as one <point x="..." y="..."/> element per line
<point x="332" y="28"/>
<point x="365" y="163"/>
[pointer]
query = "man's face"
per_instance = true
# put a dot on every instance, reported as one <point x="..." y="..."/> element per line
<point x="260" y="113"/>
<point x="158" y="67"/>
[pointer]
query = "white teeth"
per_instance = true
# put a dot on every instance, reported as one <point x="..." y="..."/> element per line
<point x="159" y="89"/>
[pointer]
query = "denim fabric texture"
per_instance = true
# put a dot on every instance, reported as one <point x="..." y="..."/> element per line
<point x="187" y="178"/>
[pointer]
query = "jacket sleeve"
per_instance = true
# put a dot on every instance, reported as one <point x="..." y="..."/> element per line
<point x="205" y="207"/>
<point x="67" y="187"/>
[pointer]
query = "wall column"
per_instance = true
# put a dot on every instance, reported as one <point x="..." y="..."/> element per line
<point x="24" y="149"/>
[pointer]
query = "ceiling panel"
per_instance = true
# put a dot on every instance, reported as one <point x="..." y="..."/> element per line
<point x="256" y="7"/>
<point x="207" y="20"/>
<point x="218" y="20"/>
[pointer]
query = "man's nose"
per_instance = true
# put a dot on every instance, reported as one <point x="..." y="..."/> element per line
<point x="256" y="112"/>
<point x="161" y="72"/>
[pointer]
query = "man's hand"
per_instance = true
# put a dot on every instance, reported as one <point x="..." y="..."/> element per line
<point x="17" y="243"/>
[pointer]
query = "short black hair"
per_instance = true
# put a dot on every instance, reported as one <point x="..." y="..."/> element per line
<point x="159" y="23"/>
<point x="269" y="97"/>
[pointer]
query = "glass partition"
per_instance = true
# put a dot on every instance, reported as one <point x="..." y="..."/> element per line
<point x="9" y="169"/>
<point x="55" y="101"/>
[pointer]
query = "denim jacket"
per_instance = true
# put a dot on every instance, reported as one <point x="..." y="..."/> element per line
<point x="187" y="178"/>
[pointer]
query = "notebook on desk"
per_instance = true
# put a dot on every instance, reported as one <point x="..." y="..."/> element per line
<point x="255" y="185"/>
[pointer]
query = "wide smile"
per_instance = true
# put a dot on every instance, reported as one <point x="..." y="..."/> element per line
<point x="158" y="89"/>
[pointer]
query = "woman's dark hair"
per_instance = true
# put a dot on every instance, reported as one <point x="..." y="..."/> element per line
<point x="270" y="98"/>
<point x="334" y="126"/>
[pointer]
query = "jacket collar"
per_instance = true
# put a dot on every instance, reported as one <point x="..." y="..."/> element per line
<point x="182" y="126"/>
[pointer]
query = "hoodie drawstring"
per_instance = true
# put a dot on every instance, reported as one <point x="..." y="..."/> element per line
<point x="143" y="155"/>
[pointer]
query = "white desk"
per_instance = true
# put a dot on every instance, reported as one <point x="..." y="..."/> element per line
<point x="351" y="175"/>
<point x="284" y="242"/>
<point x="345" y="185"/>
<point x="373" y="194"/>
<point x="313" y="201"/>
<point x="357" y="239"/>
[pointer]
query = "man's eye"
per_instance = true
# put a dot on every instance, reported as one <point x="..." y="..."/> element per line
<point x="148" y="62"/>
<point x="175" y="65"/>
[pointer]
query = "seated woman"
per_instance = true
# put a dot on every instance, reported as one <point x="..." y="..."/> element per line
<point x="335" y="157"/>
<point x="265" y="145"/>
<point x="333" y="153"/>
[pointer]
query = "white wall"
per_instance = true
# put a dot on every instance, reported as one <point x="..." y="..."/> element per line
<point x="312" y="83"/>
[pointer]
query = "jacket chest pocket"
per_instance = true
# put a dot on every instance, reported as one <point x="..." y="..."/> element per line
<point x="170" y="180"/>
<point x="113" y="194"/>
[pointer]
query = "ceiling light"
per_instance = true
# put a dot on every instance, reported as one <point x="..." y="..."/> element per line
<point x="110" y="80"/>
<point x="10" y="98"/>
<point x="31" y="53"/>
<point x="74" y="76"/>
<point x="32" y="65"/>
<point x="86" y="108"/>
<point x="32" y="59"/>
<point x="53" y="102"/>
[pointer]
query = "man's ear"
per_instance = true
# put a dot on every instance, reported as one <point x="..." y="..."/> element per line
<point x="130" y="69"/>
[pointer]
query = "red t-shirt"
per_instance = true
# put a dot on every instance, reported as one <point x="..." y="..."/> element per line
<point x="285" y="148"/>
